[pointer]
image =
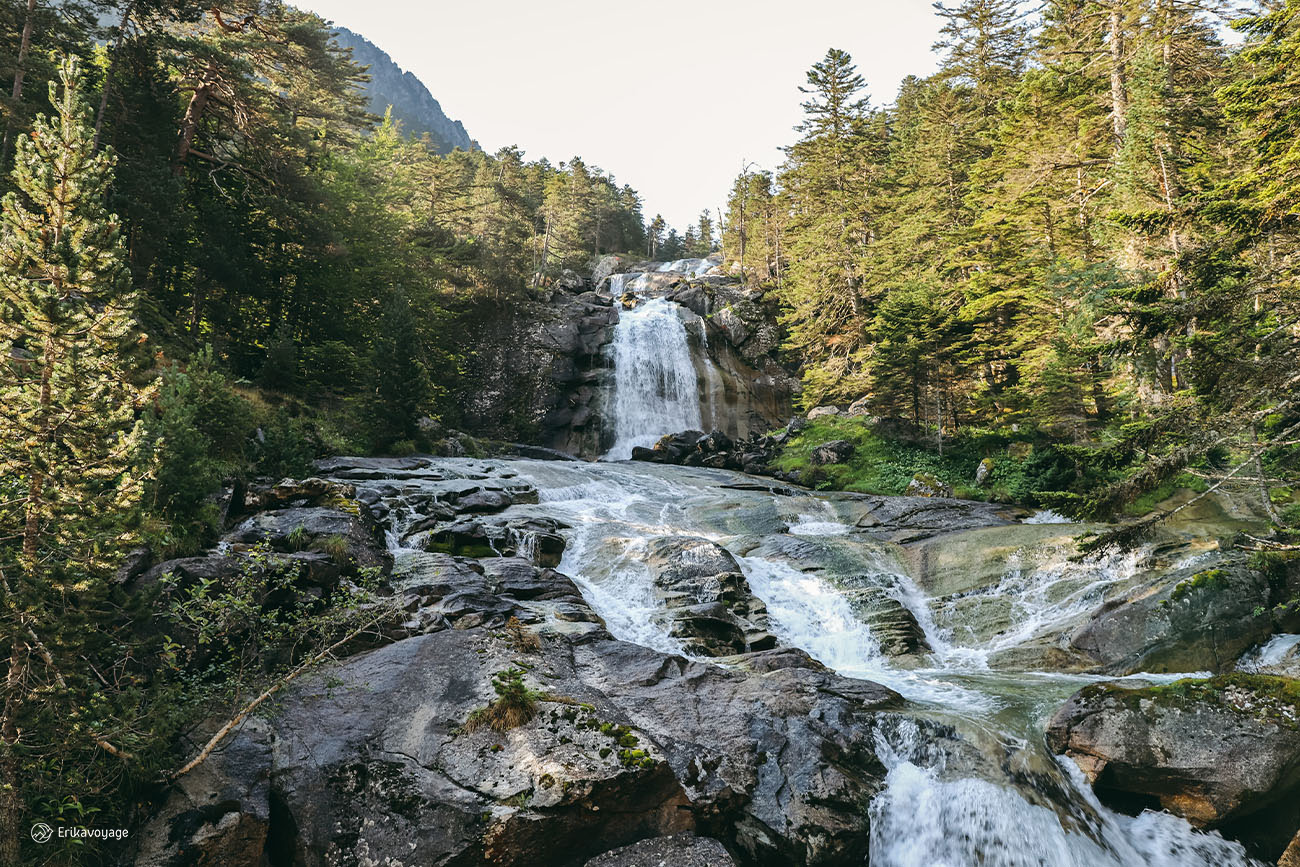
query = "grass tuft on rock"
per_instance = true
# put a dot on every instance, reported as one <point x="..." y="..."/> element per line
<point x="514" y="705"/>
<point x="522" y="638"/>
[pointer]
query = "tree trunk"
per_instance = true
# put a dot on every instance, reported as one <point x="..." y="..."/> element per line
<point x="11" y="808"/>
<point x="36" y="485"/>
<point x="1118" y="92"/>
<point x="546" y="254"/>
<point x="190" y="122"/>
<point x="24" y="45"/>
<point x="108" y="73"/>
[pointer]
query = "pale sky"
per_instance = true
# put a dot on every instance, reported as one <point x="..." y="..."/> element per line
<point x="671" y="97"/>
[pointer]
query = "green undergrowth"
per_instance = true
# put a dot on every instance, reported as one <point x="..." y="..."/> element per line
<point x="1264" y="687"/>
<point x="880" y="464"/>
<point x="1026" y="467"/>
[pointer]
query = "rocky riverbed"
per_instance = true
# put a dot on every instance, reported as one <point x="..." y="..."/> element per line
<point x="730" y="663"/>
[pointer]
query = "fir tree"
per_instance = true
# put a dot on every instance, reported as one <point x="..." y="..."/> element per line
<point x="401" y="382"/>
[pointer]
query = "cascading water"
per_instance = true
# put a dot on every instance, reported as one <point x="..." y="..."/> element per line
<point x="930" y="812"/>
<point x="655" y="387"/>
<point x="927" y="815"/>
<point x="692" y="267"/>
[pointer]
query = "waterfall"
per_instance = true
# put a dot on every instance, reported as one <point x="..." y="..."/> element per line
<point x="927" y="818"/>
<point x="691" y="267"/>
<point x="655" y="389"/>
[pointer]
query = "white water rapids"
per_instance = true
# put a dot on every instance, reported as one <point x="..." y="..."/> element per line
<point x="927" y="815"/>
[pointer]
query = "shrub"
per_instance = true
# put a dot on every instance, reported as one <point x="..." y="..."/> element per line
<point x="283" y="448"/>
<point x="200" y="427"/>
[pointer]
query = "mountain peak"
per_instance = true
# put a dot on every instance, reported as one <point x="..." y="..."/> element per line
<point x="413" y="105"/>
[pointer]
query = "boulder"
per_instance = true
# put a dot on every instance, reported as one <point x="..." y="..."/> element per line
<point x="187" y="570"/>
<point x="983" y="472"/>
<point x="706" y="598"/>
<point x="1222" y="753"/>
<point x="571" y="281"/>
<point x="676" y="446"/>
<point x="300" y="492"/>
<point x="603" y="266"/>
<point x="892" y="624"/>
<point x="732" y="326"/>
<point x="859" y="407"/>
<point x="715" y="441"/>
<point x="833" y="452"/>
<point x="674" y="850"/>
<point x="823" y="412"/>
<point x="1291" y="857"/>
<point x="1194" y="619"/>
<point x="926" y="485"/>
<point x="347" y="531"/>
<point x="694" y="298"/>
<point x="537" y="540"/>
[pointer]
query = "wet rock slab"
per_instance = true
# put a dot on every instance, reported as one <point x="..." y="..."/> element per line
<point x="675" y="850"/>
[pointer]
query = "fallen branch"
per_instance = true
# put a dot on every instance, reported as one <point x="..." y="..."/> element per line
<point x="1130" y="531"/>
<point x="1270" y="545"/>
<point x="270" y="691"/>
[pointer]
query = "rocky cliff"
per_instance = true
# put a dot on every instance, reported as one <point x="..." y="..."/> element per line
<point x="542" y="372"/>
<point x="413" y="104"/>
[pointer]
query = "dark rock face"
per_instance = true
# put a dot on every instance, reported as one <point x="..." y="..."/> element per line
<point x="834" y="452"/>
<point x="675" y="850"/>
<point x="707" y="598"/>
<point x="1196" y="621"/>
<point x="369" y="764"/>
<point x="220" y="813"/>
<point x="1223" y="753"/>
<point x="539" y="372"/>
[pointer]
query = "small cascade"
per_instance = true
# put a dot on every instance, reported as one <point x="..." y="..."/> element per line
<point x="690" y="267"/>
<point x="655" y="386"/>
<point x="927" y="817"/>
<point x="1274" y="654"/>
<point x="1040" y="590"/>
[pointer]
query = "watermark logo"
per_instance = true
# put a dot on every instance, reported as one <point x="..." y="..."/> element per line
<point x="43" y="833"/>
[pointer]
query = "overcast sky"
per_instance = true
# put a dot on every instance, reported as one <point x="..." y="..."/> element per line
<point x="671" y="97"/>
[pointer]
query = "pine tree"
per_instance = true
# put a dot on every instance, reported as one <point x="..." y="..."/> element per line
<point x="985" y="40"/>
<point x="69" y="434"/>
<point x="704" y="235"/>
<point x="827" y="184"/>
<point x="1263" y="100"/>
<point x="70" y="418"/>
<point x="655" y="235"/>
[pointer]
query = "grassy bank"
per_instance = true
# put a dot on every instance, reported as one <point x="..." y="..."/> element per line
<point x="1026" y="468"/>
